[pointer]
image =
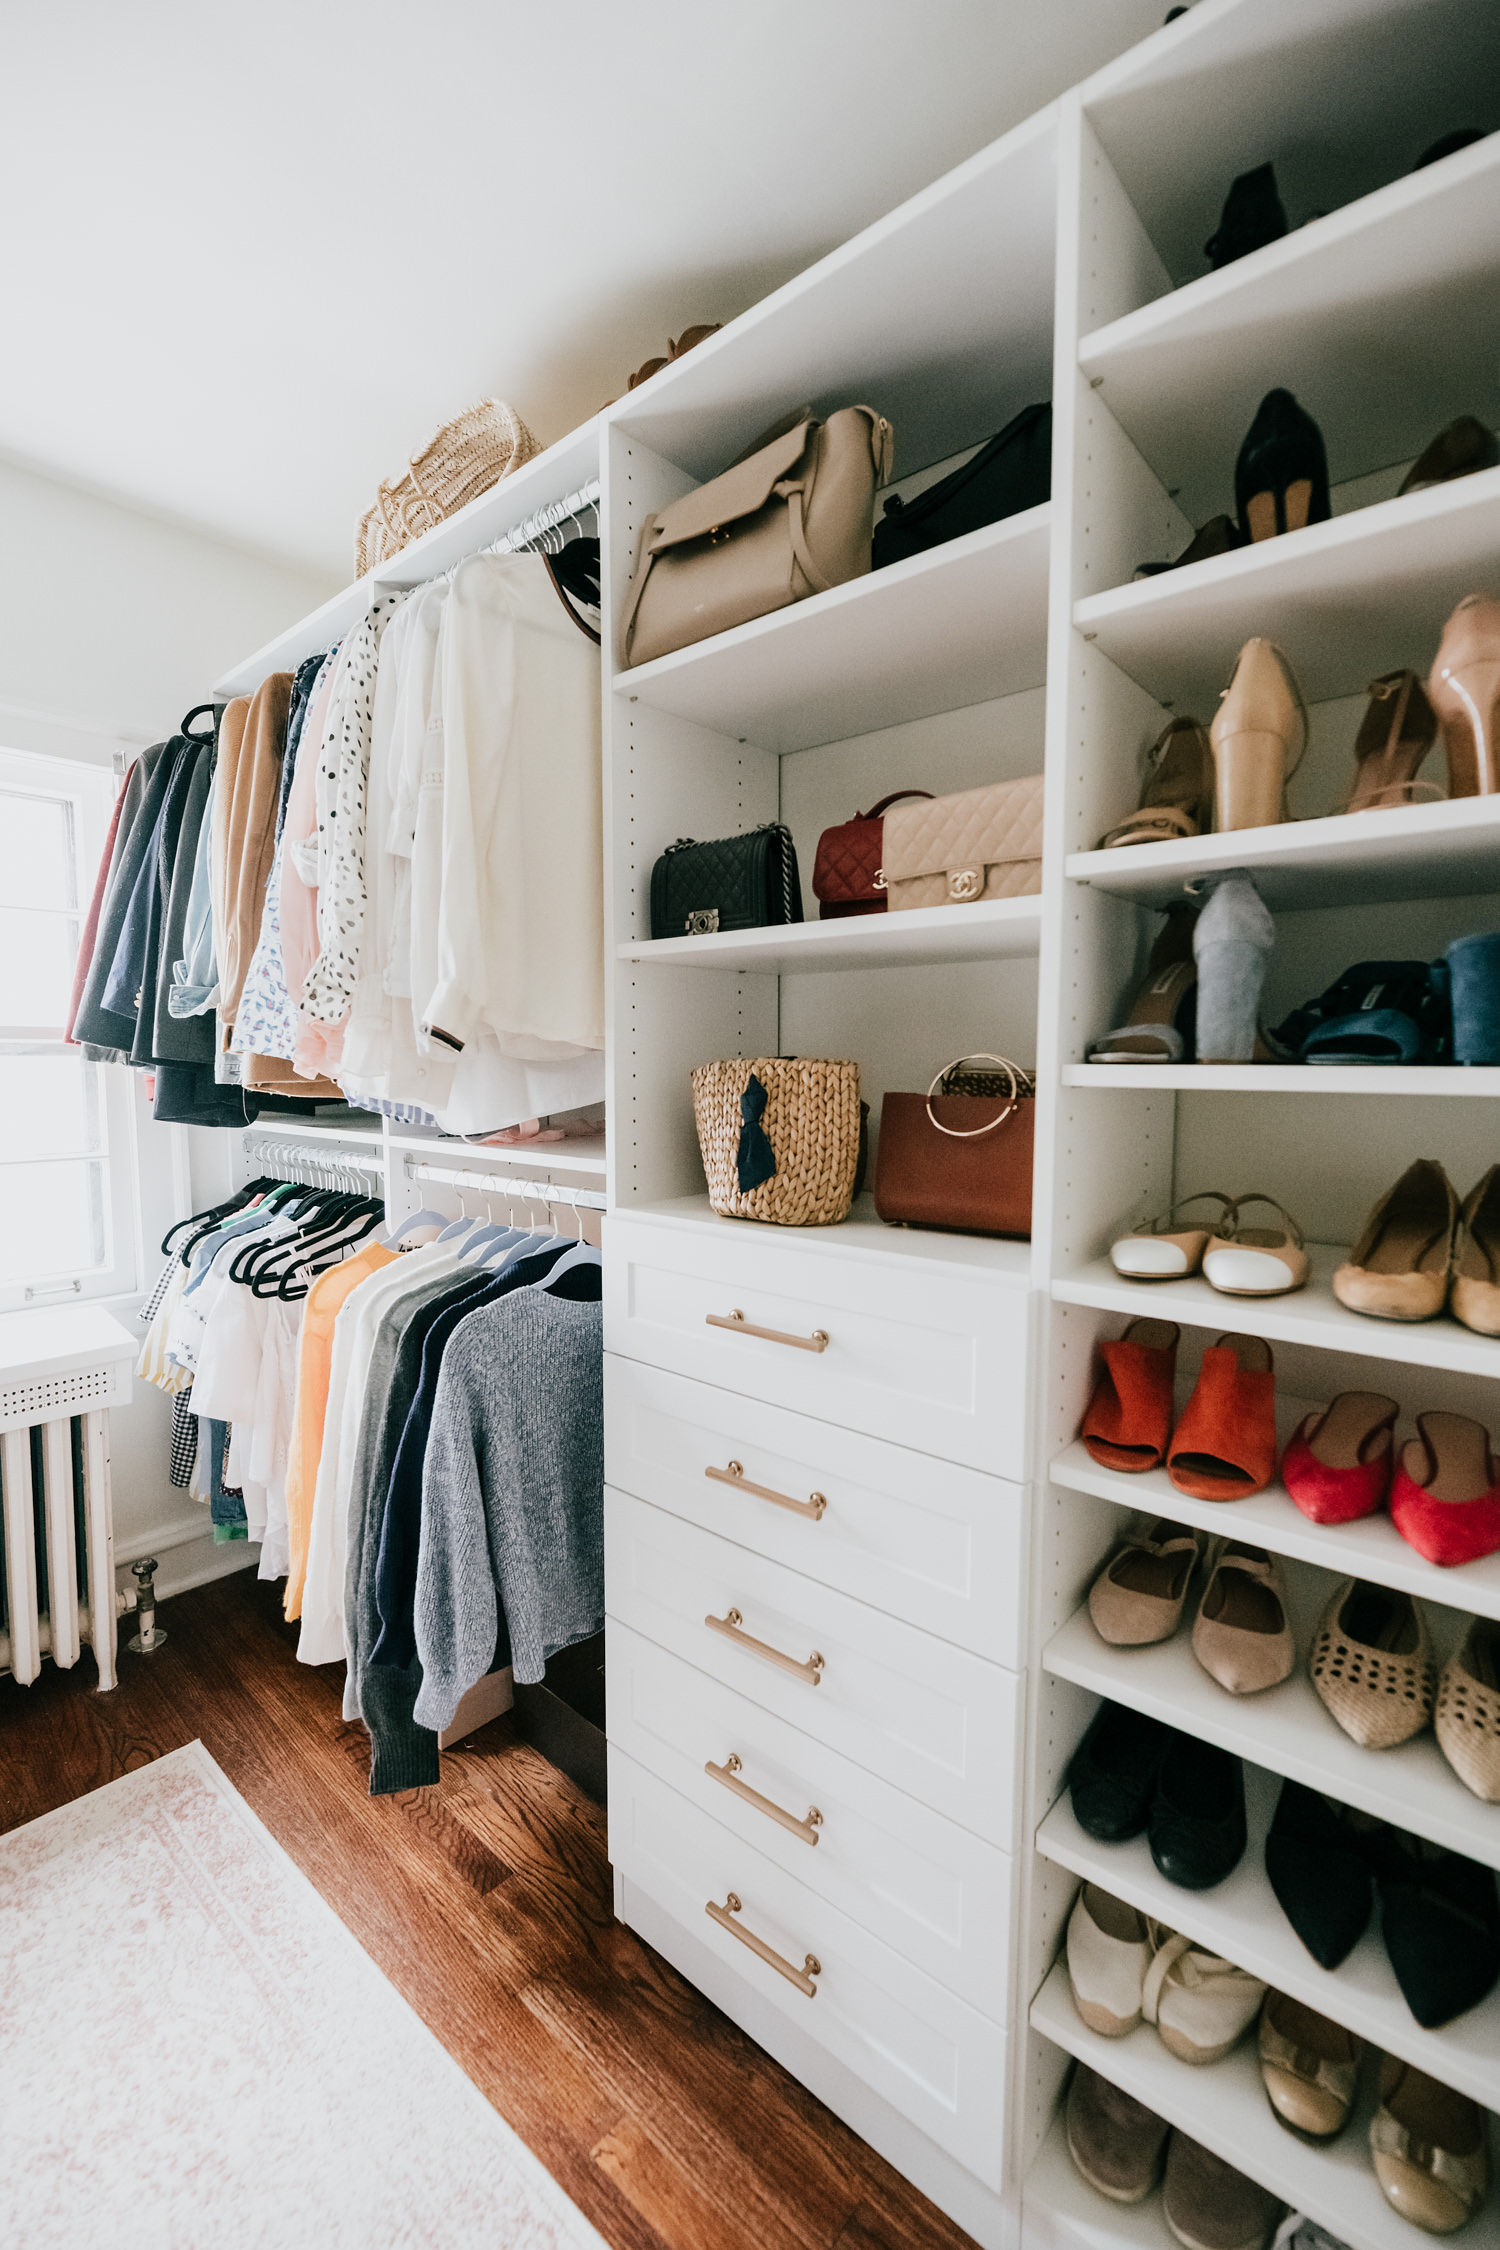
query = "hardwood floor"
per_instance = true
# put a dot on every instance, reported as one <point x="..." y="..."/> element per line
<point x="487" y="1902"/>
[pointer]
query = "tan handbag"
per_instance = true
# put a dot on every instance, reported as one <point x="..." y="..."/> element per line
<point x="462" y="459"/>
<point x="792" y="520"/>
<point x="953" y="851"/>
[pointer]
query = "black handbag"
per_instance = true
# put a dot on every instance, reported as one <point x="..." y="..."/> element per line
<point x="736" y="883"/>
<point x="1013" y="471"/>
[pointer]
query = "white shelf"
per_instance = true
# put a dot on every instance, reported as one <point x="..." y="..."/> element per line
<point x="957" y="625"/>
<point x="1383" y="318"/>
<point x="1448" y="850"/>
<point x="585" y="1154"/>
<point x="1346" y="600"/>
<point x="561" y="469"/>
<point x="861" y="1235"/>
<point x="1371" y="1549"/>
<point x="991" y="930"/>
<point x="1287" y="1729"/>
<point x="1288" y="1078"/>
<point x="1060" y="2210"/>
<point x="1241" y="1920"/>
<point x="1311" y="1315"/>
<point x="1224" y="2107"/>
<point x="360" y="1125"/>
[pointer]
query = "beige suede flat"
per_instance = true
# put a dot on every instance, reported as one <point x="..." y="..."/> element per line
<point x="1399" y="1267"/>
<point x="1241" y="1636"/>
<point x="1476" y="1264"/>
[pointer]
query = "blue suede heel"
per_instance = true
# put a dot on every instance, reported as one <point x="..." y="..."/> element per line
<point x="1474" y="970"/>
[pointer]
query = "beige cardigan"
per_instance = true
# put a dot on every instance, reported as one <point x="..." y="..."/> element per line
<point x="252" y="738"/>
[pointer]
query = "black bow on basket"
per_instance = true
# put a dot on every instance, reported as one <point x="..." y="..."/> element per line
<point x="755" y="1157"/>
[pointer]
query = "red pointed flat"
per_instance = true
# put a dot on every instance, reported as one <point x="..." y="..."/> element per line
<point x="1445" y="1495"/>
<point x="1338" y="1465"/>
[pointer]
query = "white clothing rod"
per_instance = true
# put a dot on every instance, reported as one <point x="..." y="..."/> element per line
<point x="297" y="1160"/>
<point x="550" y="517"/>
<point x="519" y="1191"/>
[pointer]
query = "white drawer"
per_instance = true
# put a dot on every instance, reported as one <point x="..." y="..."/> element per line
<point x="934" y="1543"/>
<point x="900" y="1870"/>
<point x="929" y="1356"/>
<point x="918" y="1713"/>
<point x="915" y="2043"/>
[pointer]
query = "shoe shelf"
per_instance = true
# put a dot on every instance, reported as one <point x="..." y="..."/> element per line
<point x="1060" y="2211"/>
<point x="1224" y="2106"/>
<point x="959" y="625"/>
<point x="1447" y="850"/>
<point x="1311" y="1315"/>
<point x="1370" y="1548"/>
<point x="1382" y="317"/>
<point x="991" y="930"/>
<point x="1286" y="1078"/>
<point x="1345" y="600"/>
<point x="1241" y="1920"/>
<point x="1287" y="1729"/>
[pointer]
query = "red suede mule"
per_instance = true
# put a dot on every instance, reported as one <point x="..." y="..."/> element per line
<point x="1338" y="1465"/>
<point x="1445" y="1495"/>
<point x="1129" y="1417"/>
<point x="1224" y="1448"/>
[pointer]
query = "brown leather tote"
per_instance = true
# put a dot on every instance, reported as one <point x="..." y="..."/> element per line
<point x="959" y="1156"/>
<point x="793" y="519"/>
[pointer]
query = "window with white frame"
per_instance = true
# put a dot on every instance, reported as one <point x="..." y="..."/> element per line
<point x="66" y="1228"/>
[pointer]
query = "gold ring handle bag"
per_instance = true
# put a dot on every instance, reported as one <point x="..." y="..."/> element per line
<point x="959" y="1156"/>
<point x="955" y="851"/>
<point x="793" y="519"/>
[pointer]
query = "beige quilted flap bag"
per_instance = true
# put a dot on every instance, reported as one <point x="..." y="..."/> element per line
<point x="462" y="459"/>
<point x="953" y="851"/>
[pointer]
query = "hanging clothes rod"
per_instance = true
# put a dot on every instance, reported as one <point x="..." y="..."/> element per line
<point x="301" y="1160"/>
<point x="520" y="1191"/>
<point x="550" y="517"/>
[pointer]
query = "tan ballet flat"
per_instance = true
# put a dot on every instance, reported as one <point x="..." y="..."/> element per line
<point x="1475" y="1297"/>
<point x="1310" y="2066"/>
<point x="1165" y="1249"/>
<point x="1137" y="1598"/>
<point x="1178" y="799"/>
<point x="1240" y="1635"/>
<point x="1372" y="1664"/>
<point x="1467" y="1720"/>
<point x="1258" y="736"/>
<point x="1399" y="1267"/>
<point x="1243" y="1261"/>
<point x="1464" y="690"/>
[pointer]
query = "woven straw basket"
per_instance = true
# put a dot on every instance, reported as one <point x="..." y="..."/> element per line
<point x="464" y="458"/>
<point x="812" y="1122"/>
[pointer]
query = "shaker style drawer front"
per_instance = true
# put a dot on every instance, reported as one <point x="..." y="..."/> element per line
<point x="927" y="1540"/>
<point x="926" y="1717"/>
<point x="926" y="1887"/>
<point x="933" y="1360"/>
<point x="914" y="2042"/>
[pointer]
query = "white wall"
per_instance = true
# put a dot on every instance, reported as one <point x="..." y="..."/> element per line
<point x="112" y="625"/>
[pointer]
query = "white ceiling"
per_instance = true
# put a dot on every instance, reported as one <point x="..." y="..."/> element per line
<point x="256" y="252"/>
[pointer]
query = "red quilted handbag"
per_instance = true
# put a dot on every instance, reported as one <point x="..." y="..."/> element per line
<point x="846" y="872"/>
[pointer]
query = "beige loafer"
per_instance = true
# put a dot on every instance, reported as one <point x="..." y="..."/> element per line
<point x="1467" y="1718"/>
<point x="1399" y="1267"/>
<point x="1310" y="2066"/>
<point x="1372" y="1664"/>
<point x="1110" y="1947"/>
<point x="1241" y="1635"/>
<point x="1137" y="1598"/>
<point x="1430" y="2149"/>
<point x="1165" y="1249"/>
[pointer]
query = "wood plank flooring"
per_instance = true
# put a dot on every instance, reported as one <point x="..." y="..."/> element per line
<point x="487" y="1902"/>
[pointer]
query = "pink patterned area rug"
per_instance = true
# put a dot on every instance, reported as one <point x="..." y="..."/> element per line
<point x="194" y="2051"/>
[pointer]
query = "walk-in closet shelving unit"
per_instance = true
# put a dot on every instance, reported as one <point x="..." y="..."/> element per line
<point x="1381" y="317"/>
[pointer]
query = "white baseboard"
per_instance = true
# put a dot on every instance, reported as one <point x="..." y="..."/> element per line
<point x="190" y="1557"/>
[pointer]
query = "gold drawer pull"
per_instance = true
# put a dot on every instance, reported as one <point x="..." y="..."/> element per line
<point x="729" y="1776"/>
<point x="732" y="1628"/>
<point x="812" y="1506"/>
<point x="816" y="1342"/>
<point x="802" y="1978"/>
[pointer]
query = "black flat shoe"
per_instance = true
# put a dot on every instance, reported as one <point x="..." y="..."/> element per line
<point x="1440" y="1918"/>
<point x="1197" y="1825"/>
<point x="1112" y="1773"/>
<point x="1252" y="216"/>
<point x="1317" y="1865"/>
<point x="1281" y="476"/>
<point x="1219" y="536"/>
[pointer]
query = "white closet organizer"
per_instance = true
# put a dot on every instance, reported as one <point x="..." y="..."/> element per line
<point x="848" y="1653"/>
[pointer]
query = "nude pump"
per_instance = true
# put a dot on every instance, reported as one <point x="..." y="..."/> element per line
<point x="1258" y="736"/>
<point x="1464" y="691"/>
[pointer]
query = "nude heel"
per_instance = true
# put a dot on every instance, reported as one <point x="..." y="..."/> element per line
<point x="1258" y="736"/>
<point x="1464" y="691"/>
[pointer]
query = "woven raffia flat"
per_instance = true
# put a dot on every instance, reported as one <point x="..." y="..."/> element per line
<point x="1468" y="1710"/>
<point x="1372" y="1664"/>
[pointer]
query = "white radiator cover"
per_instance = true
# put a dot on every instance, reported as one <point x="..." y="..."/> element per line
<point x="58" y="1368"/>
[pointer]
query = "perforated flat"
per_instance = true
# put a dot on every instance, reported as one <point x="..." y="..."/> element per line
<point x="1468" y="1710"/>
<point x="1372" y="1665"/>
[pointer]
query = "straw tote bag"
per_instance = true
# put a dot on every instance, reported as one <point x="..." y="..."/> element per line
<point x="780" y="1138"/>
<point x="462" y="459"/>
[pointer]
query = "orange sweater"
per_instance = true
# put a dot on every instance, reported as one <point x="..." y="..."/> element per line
<point x="324" y="1298"/>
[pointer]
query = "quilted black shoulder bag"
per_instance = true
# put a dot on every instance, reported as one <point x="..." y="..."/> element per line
<point x="736" y="883"/>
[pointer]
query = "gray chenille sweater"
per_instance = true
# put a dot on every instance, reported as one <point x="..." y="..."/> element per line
<point x="512" y="1496"/>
